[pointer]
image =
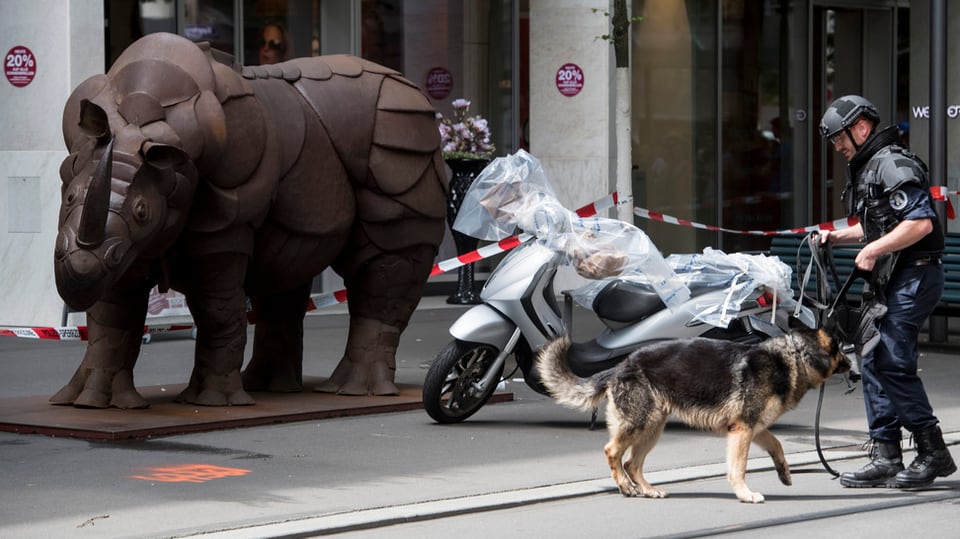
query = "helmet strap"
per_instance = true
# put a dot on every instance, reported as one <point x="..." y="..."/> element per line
<point x="852" y="140"/>
<point x="873" y="129"/>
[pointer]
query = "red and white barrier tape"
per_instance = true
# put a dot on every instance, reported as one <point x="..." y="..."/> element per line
<point x="940" y="193"/>
<point x="77" y="333"/>
<point x="937" y="192"/>
<point x="318" y="301"/>
<point x="332" y="298"/>
<point x="655" y="216"/>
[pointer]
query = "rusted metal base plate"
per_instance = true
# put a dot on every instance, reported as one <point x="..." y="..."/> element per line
<point x="165" y="417"/>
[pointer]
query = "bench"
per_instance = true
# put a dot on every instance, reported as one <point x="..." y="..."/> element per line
<point x="789" y="247"/>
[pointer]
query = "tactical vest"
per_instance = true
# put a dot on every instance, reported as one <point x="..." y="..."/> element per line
<point x="876" y="173"/>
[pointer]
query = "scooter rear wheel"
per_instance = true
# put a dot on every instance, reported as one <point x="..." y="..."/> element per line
<point x="451" y="391"/>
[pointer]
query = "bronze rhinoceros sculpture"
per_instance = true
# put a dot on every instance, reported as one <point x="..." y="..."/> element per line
<point x="189" y="172"/>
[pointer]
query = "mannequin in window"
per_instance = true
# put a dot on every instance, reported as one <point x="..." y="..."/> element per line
<point x="274" y="44"/>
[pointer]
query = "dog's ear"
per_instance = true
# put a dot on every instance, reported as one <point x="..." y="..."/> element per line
<point x="830" y="322"/>
<point x="830" y="340"/>
<point x="832" y="330"/>
<point x="833" y="346"/>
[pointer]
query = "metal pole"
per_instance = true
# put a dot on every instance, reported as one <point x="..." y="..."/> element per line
<point x="718" y="46"/>
<point x="938" y="132"/>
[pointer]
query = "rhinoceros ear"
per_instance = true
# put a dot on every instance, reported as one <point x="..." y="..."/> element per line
<point x="163" y="155"/>
<point x="93" y="120"/>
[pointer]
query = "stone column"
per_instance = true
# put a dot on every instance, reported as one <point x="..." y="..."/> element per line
<point x="66" y="38"/>
<point x="572" y="135"/>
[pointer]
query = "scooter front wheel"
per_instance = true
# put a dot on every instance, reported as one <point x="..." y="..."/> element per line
<point x="452" y="389"/>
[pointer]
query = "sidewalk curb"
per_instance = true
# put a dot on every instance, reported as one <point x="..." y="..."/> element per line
<point x="365" y="519"/>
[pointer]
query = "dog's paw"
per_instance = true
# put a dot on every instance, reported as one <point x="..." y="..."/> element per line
<point x="654" y="493"/>
<point x="784" y="475"/>
<point x="750" y="497"/>
<point x="635" y="491"/>
<point x="627" y="488"/>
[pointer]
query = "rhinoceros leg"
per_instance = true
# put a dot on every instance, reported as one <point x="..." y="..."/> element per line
<point x="218" y="304"/>
<point x="382" y="297"/>
<point x="277" y="360"/>
<point x="105" y="376"/>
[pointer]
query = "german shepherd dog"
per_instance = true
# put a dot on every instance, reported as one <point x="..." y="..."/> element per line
<point x="714" y="385"/>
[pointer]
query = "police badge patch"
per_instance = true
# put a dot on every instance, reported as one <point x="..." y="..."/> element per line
<point x="898" y="200"/>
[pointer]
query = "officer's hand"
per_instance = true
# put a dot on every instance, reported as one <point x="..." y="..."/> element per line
<point x="865" y="259"/>
<point x="824" y="236"/>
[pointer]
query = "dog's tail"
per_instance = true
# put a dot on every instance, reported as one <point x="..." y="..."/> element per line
<point x="566" y="387"/>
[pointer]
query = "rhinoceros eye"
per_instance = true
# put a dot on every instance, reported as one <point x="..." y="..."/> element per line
<point x="71" y="197"/>
<point x="67" y="172"/>
<point x="114" y="255"/>
<point x="73" y="194"/>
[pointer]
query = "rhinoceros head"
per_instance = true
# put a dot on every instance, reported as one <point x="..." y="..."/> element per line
<point x="130" y="178"/>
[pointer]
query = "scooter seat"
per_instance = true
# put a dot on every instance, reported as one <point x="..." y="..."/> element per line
<point x="629" y="301"/>
<point x="626" y="301"/>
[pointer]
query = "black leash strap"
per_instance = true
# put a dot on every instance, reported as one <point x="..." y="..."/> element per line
<point x="821" y="258"/>
<point x="816" y="435"/>
<point x="817" y="254"/>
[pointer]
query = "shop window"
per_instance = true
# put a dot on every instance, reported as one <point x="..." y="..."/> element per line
<point x="381" y="32"/>
<point x="128" y="21"/>
<point x="712" y="139"/>
<point x="202" y="20"/>
<point x="212" y="21"/>
<point x="278" y="30"/>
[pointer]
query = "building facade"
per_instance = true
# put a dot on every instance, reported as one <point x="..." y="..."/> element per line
<point x="725" y="97"/>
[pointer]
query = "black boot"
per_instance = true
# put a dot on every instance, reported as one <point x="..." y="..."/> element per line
<point x="885" y="462"/>
<point x="933" y="460"/>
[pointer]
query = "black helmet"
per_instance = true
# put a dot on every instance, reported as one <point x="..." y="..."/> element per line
<point x="844" y="111"/>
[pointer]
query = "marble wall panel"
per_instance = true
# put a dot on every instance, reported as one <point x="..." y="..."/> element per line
<point x="66" y="39"/>
<point x="571" y="135"/>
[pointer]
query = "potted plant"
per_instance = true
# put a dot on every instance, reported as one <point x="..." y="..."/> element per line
<point x="466" y="146"/>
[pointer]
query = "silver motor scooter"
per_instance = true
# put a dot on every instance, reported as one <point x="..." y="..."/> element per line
<point x="520" y="313"/>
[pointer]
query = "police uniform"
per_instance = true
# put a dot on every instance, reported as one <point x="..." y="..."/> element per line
<point x="889" y="185"/>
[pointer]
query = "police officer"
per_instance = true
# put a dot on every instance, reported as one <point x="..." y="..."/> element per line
<point x="887" y="190"/>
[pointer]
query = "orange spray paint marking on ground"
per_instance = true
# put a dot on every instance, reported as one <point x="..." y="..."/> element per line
<point x="190" y="473"/>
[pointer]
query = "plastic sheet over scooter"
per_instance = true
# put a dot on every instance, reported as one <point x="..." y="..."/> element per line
<point x="740" y="274"/>
<point x="514" y="193"/>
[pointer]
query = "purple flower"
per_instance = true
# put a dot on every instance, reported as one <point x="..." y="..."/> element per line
<point x="466" y="137"/>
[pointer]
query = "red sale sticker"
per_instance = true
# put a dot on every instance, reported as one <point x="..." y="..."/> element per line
<point x="439" y="83"/>
<point x="20" y="66"/>
<point x="570" y="79"/>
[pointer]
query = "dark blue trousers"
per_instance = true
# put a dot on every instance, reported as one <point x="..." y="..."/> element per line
<point x="893" y="394"/>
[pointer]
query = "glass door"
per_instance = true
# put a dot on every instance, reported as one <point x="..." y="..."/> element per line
<point x="855" y="51"/>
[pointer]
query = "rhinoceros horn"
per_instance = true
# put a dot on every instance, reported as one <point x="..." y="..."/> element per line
<point x="96" y="203"/>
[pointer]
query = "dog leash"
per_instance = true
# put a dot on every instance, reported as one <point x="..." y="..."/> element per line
<point x="816" y="435"/>
<point x="823" y="302"/>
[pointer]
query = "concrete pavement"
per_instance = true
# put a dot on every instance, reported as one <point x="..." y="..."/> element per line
<point x="528" y="467"/>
